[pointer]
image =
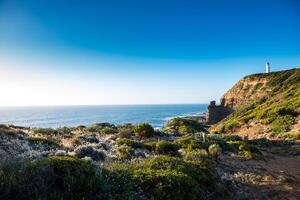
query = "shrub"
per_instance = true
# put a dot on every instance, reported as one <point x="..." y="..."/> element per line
<point x="97" y="127"/>
<point x="130" y="143"/>
<point x="217" y="139"/>
<point x="199" y="155"/>
<point x="258" y="86"/>
<point x="282" y="124"/>
<point x="164" y="147"/>
<point x="243" y="149"/>
<point x="66" y="177"/>
<point x="150" y="145"/>
<point x="143" y="130"/>
<point x="51" y="178"/>
<point x="190" y="143"/>
<point x="166" y="184"/>
<point x="88" y="151"/>
<point x="108" y="130"/>
<point x="232" y="138"/>
<point x="173" y="178"/>
<point x="183" y="126"/>
<point x="197" y="144"/>
<point x="44" y="131"/>
<point x="64" y="130"/>
<point x="183" y="142"/>
<point x="231" y="125"/>
<point x="215" y="150"/>
<point x="292" y="136"/>
<point x="124" y="152"/>
<point x="125" y="130"/>
<point x="47" y="141"/>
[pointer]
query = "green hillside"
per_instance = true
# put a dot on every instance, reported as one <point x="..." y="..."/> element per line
<point x="275" y="106"/>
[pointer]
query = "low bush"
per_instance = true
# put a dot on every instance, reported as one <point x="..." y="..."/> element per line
<point x="183" y="142"/>
<point x="51" y="178"/>
<point x="164" y="147"/>
<point x="215" y="150"/>
<point x="124" y="152"/>
<point x="97" y="127"/>
<point x="200" y="156"/>
<point x="130" y="143"/>
<point x="64" y="130"/>
<point x="143" y="130"/>
<point x="243" y="149"/>
<point x="183" y="126"/>
<point x="197" y="144"/>
<point x="282" y="124"/>
<point x="108" y="130"/>
<point x="166" y="177"/>
<point x="125" y="130"/>
<point x="46" y="141"/>
<point x="66" y="177"/>
<point x="89" y="151"/>
<point x="191" y="143"/>
<point x="45" y="131"/>
<point x="292" y="136"/>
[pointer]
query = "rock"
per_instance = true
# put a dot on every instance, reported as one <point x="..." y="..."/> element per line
<point x="88" y="138"/>
<point x="92" y="139"/>
<point x="139" y="153"/>
<point x="89" y="151"/>
<point x="60" y="153"/>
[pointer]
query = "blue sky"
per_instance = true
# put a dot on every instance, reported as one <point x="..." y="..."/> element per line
<point x="140" y="52"/>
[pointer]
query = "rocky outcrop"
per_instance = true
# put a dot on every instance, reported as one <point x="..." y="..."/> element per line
<point x="243" y="93"/>
<point x="216" y="113"/>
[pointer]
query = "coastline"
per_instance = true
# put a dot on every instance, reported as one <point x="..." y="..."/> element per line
<point x="55" y="117"/>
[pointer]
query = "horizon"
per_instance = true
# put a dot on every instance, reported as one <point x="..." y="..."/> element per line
<point x="137" y="104"/>
<point x="89" y="105"/>
<point x="62" y="53"/>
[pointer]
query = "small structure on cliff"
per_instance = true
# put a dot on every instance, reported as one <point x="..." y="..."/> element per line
<point x="267" y="67"/>
<point x="216" y="113"/>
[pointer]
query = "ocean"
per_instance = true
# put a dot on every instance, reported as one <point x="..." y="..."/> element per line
<point x="59" y="116"/>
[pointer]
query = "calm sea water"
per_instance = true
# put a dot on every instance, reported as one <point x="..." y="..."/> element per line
<point x="58" y="116"/>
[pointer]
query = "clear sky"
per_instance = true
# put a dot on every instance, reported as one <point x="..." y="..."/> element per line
<point x="59" y="52"/>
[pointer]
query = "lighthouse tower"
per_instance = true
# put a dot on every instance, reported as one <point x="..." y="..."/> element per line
<point x="267" y="67"/>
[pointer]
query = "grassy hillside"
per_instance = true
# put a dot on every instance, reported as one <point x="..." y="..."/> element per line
<point x="263" y="103"/>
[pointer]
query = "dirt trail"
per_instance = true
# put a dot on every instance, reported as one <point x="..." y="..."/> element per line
<point x="275" y="176"/>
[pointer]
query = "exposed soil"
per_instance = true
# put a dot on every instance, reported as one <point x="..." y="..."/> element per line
<point x="273" y="176"/>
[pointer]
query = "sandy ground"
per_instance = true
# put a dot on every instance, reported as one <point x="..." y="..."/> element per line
<point x="274" y="176"/>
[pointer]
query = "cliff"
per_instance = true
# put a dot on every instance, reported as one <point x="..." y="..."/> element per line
<point x="216" y="113"/>
<point x="263" y="104"/>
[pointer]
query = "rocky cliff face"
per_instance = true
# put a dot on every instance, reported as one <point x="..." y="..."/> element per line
<point x="245" y="91"/>
<point x="263" y="103"/>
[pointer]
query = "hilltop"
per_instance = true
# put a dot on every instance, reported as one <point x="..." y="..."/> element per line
<point x="263" y="105"/>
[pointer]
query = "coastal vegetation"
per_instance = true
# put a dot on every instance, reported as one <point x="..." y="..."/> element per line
<point x="276" y="105"/>
<point x="107" y="165"/>
<point x="183" y="160"/>
<point x="183" y="126"/>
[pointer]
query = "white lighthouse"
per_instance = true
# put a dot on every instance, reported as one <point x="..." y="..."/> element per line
<point x="267" y="67"/>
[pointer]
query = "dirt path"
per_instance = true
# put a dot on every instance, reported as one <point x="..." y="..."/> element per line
<point x="275" y="176"/>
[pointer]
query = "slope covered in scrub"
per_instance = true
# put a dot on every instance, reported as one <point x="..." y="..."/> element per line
<point x="263" y="103"/>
